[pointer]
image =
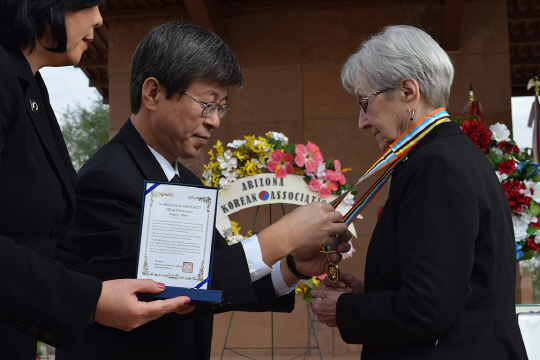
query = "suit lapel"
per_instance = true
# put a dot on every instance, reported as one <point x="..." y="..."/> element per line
<point x="42" y="118"/>
<point x="143" y="157"/>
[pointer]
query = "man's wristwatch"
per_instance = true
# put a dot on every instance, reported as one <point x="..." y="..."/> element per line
<point x="292" y="266"/>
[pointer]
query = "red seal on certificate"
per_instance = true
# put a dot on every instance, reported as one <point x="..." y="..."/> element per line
<point x="187" y="267"/>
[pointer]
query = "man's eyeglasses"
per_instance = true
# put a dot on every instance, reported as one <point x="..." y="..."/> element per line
<point x="209" y="107"/>
<point x="363" y="102"/>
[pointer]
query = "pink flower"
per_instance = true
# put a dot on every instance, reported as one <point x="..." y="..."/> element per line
<point x="325" y="185"/>
<point x="281" y="164"/>
<point x="309" y="155"/>
<point x="340" y="178"/>
<point x="321" y="277"/>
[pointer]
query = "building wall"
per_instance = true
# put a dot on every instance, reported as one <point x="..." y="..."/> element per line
<point x="291" y="59"/>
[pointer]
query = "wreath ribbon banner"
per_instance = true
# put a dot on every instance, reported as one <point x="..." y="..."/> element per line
<point x="266" y="189"/>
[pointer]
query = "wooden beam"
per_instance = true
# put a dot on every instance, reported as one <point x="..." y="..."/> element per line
<point x="93" y="63"/>
<point x="524" y="40"/>
<point x="199" y="14"/>
<point x="521" y="91"/>
<point x="525" y="61"/>
<point x="234" y="6"/>
<point x="144" y="12"/>
<point x="524" y="15"/>
<point x="98" y="82"/>
<point x="451" y="24"/>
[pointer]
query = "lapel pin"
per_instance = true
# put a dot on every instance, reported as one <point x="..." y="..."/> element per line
<point x="34" y="106"/>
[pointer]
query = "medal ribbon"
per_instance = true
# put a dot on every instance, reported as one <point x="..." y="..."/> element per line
<point x="393" y="155"/>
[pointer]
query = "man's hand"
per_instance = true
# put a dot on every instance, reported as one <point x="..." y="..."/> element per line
<point x="314" y="262"/>
<point x="306" y="229"/>
<point x="323" y="303"/>
<point x="119" y="307"/>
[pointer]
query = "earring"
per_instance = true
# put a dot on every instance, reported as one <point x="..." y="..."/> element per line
<point x="411" y="112"/>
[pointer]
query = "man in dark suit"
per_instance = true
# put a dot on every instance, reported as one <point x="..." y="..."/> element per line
<point x="180" y="76"/>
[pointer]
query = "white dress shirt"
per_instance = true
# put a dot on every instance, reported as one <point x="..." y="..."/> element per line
<point x="252" y="249"/>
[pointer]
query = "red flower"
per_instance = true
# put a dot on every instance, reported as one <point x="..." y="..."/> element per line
<point x="281" y="164"/>
<point x="508" y="148"/>
<point x="532" y="245"/>
<point x="515" y="198"/>
<point x="478" y="133"/>
<point x="379" y="212"/>
<point x="535" y="224"/>
<point x="507" y="167"/>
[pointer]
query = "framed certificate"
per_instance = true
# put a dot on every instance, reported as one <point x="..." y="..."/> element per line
<point x="177" y="239"/>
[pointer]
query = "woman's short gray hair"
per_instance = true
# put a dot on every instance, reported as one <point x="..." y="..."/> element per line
<point x="397" y="53"/>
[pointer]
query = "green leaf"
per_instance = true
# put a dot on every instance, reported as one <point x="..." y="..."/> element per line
<point x="531" y="230"/>
<point x="536" y="178"/>
<point x="347" y="186"/>
<point x="527" y="254"/>
<point x="307" y="296"/>
<point x="494" y="159"/>
<point x="330" y="164"/>
<point x="289" y="149"/>
<point x="275" y="143"/>
<point x="515" y="174"/>
<point x="534" y="208"/>
<point x="529" y="170"/>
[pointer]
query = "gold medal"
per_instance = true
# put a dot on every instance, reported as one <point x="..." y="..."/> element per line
<point x="332" y="271"/>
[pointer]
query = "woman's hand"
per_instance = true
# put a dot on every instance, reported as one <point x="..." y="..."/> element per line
<point x="347" y="283"/>
<point x="119" y="307"/>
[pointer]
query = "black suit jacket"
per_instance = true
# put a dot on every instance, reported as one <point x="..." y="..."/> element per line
<point x="441" y="266"/>
<point x="109" y="191"/>
<point x="40" y="299"/>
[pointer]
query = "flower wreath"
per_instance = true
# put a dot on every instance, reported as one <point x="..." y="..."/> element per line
<point x="518" y="175"/>
<point x="273" y="153"/>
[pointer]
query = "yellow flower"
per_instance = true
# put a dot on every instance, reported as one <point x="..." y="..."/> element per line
<point x="211" y="154"/>
<point x="235" y="228"/>
<point x="250" y="168"/>
<point x="240" y="155"/>
<point x="219" y="148"/>
<point x="299" y="171"/>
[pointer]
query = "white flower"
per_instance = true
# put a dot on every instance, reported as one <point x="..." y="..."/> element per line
<point x="500" y="176"/>
<point x="279" y="136"/>
<point x="499" y="132"/>
<point x="227" y="161"/>
<point x="520" y="227"/>
<point x="224" y="183"/>
<point x="349" y="199"/>
<point x="257" y="142"/>
<point x="527" y="216"/>
<point x="319" y="173"/>
<point x="233" y="239"/>
<point x="532" y="189"/>
<point x="349" y="253"/>
<point x="225" y="231"/>
<point x="207" y="174"/>
<point x="237" y="143"/>
<point x="496" y="150"/>
<point x="537" y="237"/>
<point x="259" y="164"/>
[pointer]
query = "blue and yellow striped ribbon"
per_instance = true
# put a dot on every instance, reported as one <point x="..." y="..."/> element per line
<point x="392" y="156"/>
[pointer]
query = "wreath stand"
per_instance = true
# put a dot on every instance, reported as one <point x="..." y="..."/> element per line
<point x="311" y="329"/>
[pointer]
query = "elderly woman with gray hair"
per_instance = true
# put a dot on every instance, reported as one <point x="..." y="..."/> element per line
<point x="440" y="268"/>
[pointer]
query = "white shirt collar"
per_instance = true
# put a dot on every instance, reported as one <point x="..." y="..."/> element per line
<point x="168" y="169"/>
